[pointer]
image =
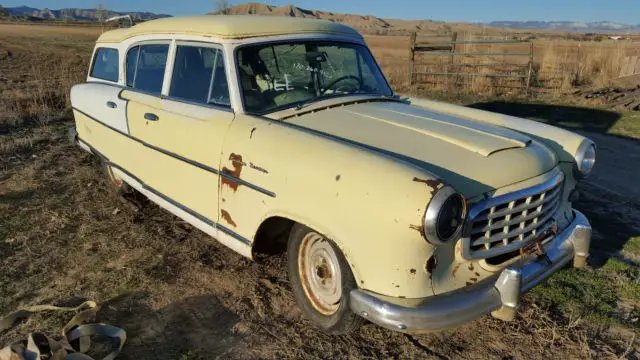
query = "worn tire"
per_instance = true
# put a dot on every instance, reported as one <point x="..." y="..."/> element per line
<point x="340" y="320"/>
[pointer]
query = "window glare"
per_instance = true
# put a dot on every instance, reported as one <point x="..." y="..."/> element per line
<point x="145" y="67"/>
<point x="199" y="76"/>
<point x="106" y="64"/>
<point x="277" y="76"/>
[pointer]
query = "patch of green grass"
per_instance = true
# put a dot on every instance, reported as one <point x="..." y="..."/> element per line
<point x="579" y="293"/>
<point x="592" y="294"/>
<point x="632" y="246"/>
<point x="627" y="125"/>
<point x="190" y="355"/>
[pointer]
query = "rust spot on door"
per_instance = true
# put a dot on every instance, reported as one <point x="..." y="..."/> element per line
<point x="470" y="266"/>
<point x="418" y="228"/>
<point x="433" y="184"/>
<point x="227" y="217"/>
<point x="237" y="164"/>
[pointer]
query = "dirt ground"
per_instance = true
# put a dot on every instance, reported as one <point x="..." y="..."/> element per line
<point x="66" y="237"/>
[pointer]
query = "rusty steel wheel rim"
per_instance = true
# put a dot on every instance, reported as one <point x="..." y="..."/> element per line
<point x="320" y="274"/>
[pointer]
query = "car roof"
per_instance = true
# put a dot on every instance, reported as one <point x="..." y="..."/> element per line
<point x="229" y="27"/>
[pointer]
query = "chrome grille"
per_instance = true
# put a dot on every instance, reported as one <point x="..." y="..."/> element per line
<point x="506" y="223"/>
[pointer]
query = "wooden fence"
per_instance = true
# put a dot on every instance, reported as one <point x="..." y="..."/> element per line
<point x="453" y="68"/>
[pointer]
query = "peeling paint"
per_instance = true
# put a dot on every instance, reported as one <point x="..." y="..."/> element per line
<point x="455" y="269"/>
<point x="432" y="262"/>
<point x="227" y="217"/>
<point x="433" y="184"/>
<point x="418" y="228"/>
<point x="412" y="271"/>
<point x="237" y="162"/>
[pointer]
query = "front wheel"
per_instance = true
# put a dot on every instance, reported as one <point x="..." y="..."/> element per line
<point x="321" y="280"/>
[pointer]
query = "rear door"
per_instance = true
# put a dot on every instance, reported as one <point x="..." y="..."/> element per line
<point x="179" y="108"/>
<point x="99" y="112"/>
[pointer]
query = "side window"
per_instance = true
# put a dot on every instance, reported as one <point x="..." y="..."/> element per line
<point x="199" y="76"/>
<point x="148" y="72"/>
<point x="106" y="64"/>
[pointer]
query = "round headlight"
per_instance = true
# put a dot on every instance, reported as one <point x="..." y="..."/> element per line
<point x="445" y="216"/>
<point x="586" y="157"/>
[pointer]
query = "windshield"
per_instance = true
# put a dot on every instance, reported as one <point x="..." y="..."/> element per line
<point x="282" y="75"/>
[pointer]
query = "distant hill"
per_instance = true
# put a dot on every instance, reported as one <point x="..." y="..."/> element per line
<point x="586" y="27"/>
<point x="75" y="13"/>
<point x="359" y="21"/>
<point x="372" y="24"/>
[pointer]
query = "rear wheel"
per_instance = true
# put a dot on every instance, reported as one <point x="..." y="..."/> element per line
<point x="321" y="279"/>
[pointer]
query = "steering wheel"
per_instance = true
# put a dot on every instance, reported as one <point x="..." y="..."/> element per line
<point x="342" y="78"/>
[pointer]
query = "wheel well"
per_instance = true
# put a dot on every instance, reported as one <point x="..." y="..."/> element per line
<point x="272" y="236"/>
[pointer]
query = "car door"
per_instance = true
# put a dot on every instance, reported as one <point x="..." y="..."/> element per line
<point x="99" y="112"/>
<point x="179" y="109"/>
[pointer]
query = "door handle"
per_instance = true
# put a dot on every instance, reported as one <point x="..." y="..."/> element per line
<point x="111" y="104"/>
<point x="151" y="117"/>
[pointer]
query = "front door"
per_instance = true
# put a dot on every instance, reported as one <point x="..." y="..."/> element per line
<point x="183" y="130"/>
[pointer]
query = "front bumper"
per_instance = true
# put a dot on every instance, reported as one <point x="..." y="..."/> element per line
<point x="499" y="295"/>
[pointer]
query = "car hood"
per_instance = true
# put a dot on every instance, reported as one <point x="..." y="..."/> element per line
<point x="472" y="156"/>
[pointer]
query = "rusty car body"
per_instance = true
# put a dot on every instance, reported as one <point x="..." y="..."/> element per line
<point x="441" y="213"/>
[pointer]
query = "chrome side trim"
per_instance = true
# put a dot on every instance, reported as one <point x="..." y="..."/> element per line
<point x="149" y="188"/>
<point x="233" y="234"/>
<point x="491" y="295"/>
<point x="181" y="158"/>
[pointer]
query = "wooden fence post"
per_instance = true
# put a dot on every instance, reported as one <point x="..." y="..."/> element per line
<point x="454" y="38"/>
<point x="412" y="50"/>
<point x="530" y="71"/>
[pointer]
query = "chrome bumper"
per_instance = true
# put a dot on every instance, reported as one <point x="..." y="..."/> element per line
<point x="499" y="295"/>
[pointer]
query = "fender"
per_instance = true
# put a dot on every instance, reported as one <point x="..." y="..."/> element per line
<point x="336" y="188"/>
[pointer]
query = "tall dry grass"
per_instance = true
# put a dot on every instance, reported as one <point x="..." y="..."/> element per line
<point x="566" y="66"/>
<point x="559" y="66"/>
<point x="38" y="67"/>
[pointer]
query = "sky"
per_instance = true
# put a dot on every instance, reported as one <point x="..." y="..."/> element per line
<point x="622" y="11"/>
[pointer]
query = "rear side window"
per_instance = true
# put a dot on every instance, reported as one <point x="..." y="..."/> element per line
<point x="199" y="76"/>
<point x="106" y="64"/>
<point x="145" y="67"/>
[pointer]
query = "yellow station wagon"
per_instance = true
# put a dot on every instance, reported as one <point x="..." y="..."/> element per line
<point x="274" y="134"/>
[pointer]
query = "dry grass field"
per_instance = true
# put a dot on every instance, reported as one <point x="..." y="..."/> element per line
<point x="65" y="237"/>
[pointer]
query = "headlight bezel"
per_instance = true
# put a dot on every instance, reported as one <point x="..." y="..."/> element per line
<point x="585" y="159"/>
<point x="435" y="209"/>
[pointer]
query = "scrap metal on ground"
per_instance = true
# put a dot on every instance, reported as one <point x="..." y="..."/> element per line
<point x="617" y="98"/>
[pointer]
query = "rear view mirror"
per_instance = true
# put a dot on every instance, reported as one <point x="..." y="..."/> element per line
<point x="315" y="57"/>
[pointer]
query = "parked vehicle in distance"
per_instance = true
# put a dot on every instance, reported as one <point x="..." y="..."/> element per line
<point x="274" y="134"/>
